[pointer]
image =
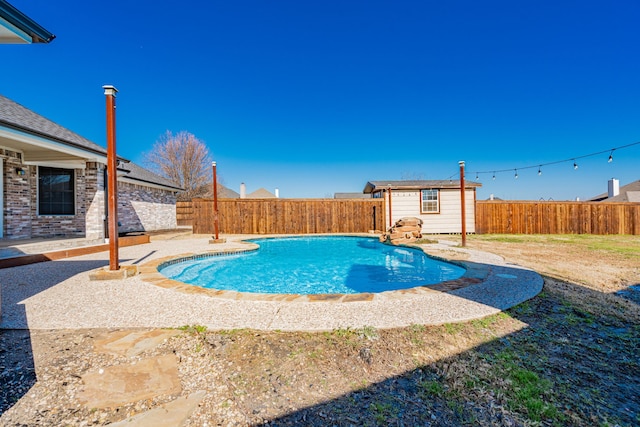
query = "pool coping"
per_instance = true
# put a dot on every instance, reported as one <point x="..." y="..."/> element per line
<point x="60" y="294"/>
<point x="149" y="272"/>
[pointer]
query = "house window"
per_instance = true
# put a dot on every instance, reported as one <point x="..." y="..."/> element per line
<point x="56" y="195"/>
<point x="430" y="201"/>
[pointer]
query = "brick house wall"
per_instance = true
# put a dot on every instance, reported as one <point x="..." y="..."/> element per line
<point x="95" y="200"/>
<point x="58" y="225"/>
<point x="17" y="197"/>
<point x="140" y="208"/>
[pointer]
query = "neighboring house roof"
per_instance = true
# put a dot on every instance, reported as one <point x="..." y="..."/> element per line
<point x="133" y="172"/>
<point x="373" y="186"/>
<point x="261" y="193"/>
<point x="223" y="193"/>
<point x="227" y="193"/>
<point x="351" y="196"/>
<point x="628" y="193"/>
<point x="16" y="27"/>
<point x="16" y="116"/>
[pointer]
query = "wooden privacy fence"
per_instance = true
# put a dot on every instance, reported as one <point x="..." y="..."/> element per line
<point x="184" y="213"/>
<point x="511" y="217"/>
<point x="289" y="216"/>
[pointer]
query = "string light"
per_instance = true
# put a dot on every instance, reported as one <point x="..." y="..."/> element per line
<point x="516" y="176"/>
<point x="572" y="159"/>
<point x="477" y="177"/>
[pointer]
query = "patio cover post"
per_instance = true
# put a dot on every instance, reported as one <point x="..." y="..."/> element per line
<point x="215" y="201"/>
<point x="112" y="176"/>
<point x="389" y="200"/>
<point x="462" y="205"/>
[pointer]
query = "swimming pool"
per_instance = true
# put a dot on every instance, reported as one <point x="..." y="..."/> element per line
<point x="314" y="265"/>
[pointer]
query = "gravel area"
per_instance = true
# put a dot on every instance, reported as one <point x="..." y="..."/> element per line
<point x="561" y="358"/>
<point x="59" y="295"/>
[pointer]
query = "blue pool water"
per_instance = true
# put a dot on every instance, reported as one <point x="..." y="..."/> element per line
<point x="315" y="265"/>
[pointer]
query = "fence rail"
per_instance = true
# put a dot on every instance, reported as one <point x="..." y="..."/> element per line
<point x="288" y="216"/>
<point x="511" y="217"/>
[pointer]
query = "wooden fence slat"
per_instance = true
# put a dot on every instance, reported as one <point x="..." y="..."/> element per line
<point x="527" y="217"/>
<point x="285" y="216"/>
<point x="304" y="216"/>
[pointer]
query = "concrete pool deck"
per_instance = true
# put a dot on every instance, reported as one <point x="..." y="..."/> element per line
<point x="59" y="295"/>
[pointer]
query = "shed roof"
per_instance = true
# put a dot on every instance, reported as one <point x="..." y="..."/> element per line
<point x="373" y="186"/>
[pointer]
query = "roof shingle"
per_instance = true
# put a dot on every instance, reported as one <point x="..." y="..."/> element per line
<point x="18" y="117"/>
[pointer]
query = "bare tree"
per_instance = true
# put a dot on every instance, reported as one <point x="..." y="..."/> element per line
<point x="183" y="159"/>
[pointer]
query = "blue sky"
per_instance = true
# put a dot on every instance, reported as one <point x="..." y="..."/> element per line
<point x="318" y="97"/>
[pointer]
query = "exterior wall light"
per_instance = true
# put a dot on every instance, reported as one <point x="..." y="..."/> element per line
<point x="21" y="172"/>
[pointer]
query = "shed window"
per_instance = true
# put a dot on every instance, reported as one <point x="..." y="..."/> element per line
<point x="56" y="195"/>
<point x="430" y="201"/>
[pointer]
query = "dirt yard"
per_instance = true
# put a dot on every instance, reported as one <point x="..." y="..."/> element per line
<point x="569" y="357"/>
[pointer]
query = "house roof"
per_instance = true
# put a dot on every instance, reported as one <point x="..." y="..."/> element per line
<point x="261" y="193"/>
<point x="15" y="116"/>
<point x="351" y="196"/>
<point x="134" y="172"/>
<point x="373" y="186"/>
<point x="227" y="193"/>
<point x="628" y="193"/>
<point x="223" y="192"/>
<point x="16" y="27"/>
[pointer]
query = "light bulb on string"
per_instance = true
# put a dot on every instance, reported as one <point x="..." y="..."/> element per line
<point x="574" y="160"/>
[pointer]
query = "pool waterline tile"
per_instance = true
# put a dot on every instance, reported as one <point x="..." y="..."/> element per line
<point x="474" y="274"/>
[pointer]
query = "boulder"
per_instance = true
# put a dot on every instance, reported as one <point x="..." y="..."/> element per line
<point x="405" y="230"/>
